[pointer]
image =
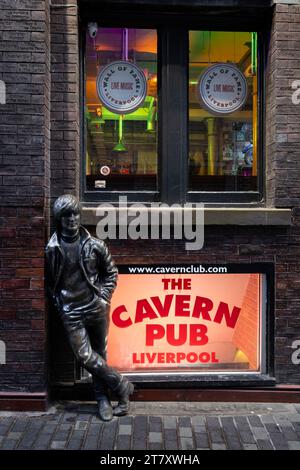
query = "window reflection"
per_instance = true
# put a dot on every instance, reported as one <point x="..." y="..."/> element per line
<point x="121" y="150"/>
<point x="222" y="149"/>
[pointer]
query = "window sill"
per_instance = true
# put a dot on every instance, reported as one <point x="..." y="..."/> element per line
<point x="216" y="216"/>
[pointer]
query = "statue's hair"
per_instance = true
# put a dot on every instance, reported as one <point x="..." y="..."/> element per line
<point x="64" y="204"/>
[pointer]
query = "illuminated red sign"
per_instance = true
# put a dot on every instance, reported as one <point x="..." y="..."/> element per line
<point x="186" y="322"/>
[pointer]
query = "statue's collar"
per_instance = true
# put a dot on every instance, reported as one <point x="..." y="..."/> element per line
<point x="55" y="239"/>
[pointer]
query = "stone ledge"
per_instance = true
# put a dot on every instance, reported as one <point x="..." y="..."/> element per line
<point x="285" y="2"/>
<point x="212" y="216"/>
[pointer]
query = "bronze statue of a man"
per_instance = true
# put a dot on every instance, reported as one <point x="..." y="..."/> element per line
<point x="81" y="278"/>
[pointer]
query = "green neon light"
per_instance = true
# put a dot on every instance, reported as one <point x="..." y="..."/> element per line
<point x="120" y="147"/>
<point x="254" y="53"/>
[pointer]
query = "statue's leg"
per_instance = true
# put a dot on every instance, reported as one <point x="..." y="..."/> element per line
<point x="92" y="361"/>
<point x="98" y="331"/>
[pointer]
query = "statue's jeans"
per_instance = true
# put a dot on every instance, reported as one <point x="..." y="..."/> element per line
<point x="87" y="334"/>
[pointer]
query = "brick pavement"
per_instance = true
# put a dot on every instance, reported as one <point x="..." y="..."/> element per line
<point x="156" y="426"/>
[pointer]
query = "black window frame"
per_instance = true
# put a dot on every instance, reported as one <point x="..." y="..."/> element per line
<point x="173" y="139"/>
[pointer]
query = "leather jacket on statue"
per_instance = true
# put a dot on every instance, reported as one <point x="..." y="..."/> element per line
<point x="95" y="263"/>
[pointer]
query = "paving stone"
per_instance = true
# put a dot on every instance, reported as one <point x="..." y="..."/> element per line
<point x="30" y="435"/>
<point x="185" y="432"/>
<point x="4" y="428"/>
<point x="65" y="427"/>
<point x="139" y="433"/>
<point x="216" y="437"/>
<point x="139" y="444"/>
<point x="294" y="417"/>
<point x="55" y="418"/>
<point x="9" y="444"/>
<point x="278" y="441"/>
<point x="93" y="435"/>
<point x="74" y="444"/>
<point x="171" y="442"/>
<point x="277" y="430"/>
<point x="250" y="446"/>
<point x="184" y="421"/>
<point x="123" y="442"/>
<point x="42" y="442"/>
<point x="255" y="421"/>
<point x="84" y="417"/>
<point x="57" y="445"/>
<point x="294" y="445"/>
<point x="108" y="435"/>
<point x="77" y="435"/>
<point x="91" y="443"/>
<point x="216" y="446"/>
<point x="155" y="446"/>
<point x="198" y="421"/>
<point x="263" y="444"/>
<point x="61" y="435"/>
<point x="289" y="433"/>
<point x="69" y="418"/>
<point x="155" y="424"/>
<point x="259" y="433"/>
<point x="242" y="423"/>
<point x="213" y="422"/>
<point x="49" y="428"/>
<point x="246" y="437"/>
<point x="6" y="422"/>
<point x="186" y="443"/>
<point x="170" y="422"/>
<point x="14" y="435"/>
<point x="272" y="428"/>
<point x="125" y="429"/>
<point x="199" y="429"/>
<point x="296" y="426"/>
<point x="267" y="419"/>
<point x="81" y="425"/>
<point x="233" y="443"/>
<point x="155" y="437"/>
<point x="19" y="425"/>
<point x="126" y="420"/>
<point x="201" y="440"/>
<point x="171" y="445"/>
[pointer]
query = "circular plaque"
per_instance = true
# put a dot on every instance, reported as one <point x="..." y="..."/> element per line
<point x="122" y="87"/>
<point x="222" y="89"/>
<point x="105" y="170"/>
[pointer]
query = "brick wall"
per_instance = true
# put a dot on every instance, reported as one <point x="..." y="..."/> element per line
<point x="65" y="163"/>
<point x="282" y="123"/>
<point x="24" y="190"/>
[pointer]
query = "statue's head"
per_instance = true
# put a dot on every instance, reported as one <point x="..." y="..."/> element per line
<point x="66" y="212"/>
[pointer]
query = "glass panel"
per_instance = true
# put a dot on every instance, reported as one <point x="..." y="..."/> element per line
<point x="222" y="144"/>
<point x="186" y="322"/>
<point x="121" y="149"/>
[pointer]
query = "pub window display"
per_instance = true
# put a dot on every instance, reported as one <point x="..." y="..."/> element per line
<point x="222" y="142"/>
<point x="126" y="138"/>
<point x="121" y="133"/>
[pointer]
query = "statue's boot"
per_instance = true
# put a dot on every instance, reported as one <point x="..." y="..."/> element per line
<point x="105" y="409"/>
<point x="123" y="392"/>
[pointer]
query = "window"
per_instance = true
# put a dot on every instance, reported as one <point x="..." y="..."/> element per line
<point x="174" y="146"/>
<point x="214" y="323"/>
<point x="121" y="149"/>
<point x="222" y="144"/>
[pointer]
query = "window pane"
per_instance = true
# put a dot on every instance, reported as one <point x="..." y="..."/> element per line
<point x="222" y="127"/>
<point x="121" y="149"/>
